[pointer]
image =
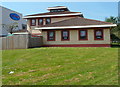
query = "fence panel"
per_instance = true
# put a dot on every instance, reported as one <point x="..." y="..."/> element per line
<point x="35" y="41"/>
<point x="10" y="43"/>
<point x="20" y="42"/>
<point x="23" y="42"/>
<point x="4" y="43"/>
<point x="0" y="43"/>
<point x="16" y="41"/>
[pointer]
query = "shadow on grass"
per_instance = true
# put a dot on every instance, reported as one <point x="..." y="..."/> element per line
<point x="115" y="46"/>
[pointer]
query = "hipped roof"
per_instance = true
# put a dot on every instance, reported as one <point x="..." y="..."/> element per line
<point x="76" y="23"/>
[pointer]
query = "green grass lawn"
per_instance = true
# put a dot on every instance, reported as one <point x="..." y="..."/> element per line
<point x="60" y="66"/>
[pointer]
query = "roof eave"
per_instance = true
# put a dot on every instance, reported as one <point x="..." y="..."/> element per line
<point x="88" y="26"/>
<point x="49" y="8"/>
<point x="25" y="17"/>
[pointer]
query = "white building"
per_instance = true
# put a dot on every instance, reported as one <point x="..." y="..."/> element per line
<point x="10" y="18"/>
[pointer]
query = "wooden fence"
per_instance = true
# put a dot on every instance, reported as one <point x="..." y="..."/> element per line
<point x="35" y="41"/>
<point x="20" y="42"/>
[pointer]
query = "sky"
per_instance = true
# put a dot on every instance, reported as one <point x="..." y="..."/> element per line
<point x="91" y="10"/>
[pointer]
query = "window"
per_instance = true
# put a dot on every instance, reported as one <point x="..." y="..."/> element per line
<point x="59" y="10"/>
<point x="98" y="34"/>
<point x="51" y="35"/>
<point x="48" y="20"/>
<point x="53" y="10"/>
<point x="40" y="21"/>
<point x="33" y="22"/>
<point x="83" y="35"/>
<point x="65" y="35"/>
<point x="24" y="26"/>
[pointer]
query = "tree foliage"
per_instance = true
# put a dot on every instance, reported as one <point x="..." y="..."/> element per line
<point x="10" y="27"/>
<point x="111" y="19"/>
<point x="116" y="30"/>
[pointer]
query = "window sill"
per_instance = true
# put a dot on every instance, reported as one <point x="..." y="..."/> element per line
<point x="83" y="39"/>
<point x="50" y="40"/>
<point x="65" y="40"/>
<point x="98" y="39"/>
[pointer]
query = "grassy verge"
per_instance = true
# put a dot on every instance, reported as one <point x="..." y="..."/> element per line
<point x="60" y="66"/>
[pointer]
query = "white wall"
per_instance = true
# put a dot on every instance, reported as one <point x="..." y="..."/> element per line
<point x="74" y="38"/>
<point x="7" y="20"/>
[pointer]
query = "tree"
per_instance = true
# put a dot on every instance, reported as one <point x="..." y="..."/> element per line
<point x="112" y="19"/>
<point x="116" y="30"/>
<point x="10" y="27"/>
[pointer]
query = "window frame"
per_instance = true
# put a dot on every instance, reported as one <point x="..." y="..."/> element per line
<point x="39" y="21"/>
<point x="49" y="37"/>
<point x="46" y="20"/>
<point x="62" y="35"/>
<point x="31" y="22"/>
<point x="86" y="32"/>
<point x="101" y="35"/>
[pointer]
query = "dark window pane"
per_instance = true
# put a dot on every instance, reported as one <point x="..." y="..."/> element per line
<point x="59" y="10"/>
<point x="98" y="34"/>
<point x="65" y="35"/>
<point x="83" y="34"/>
<point x="98" y="37"/>
<point x="51" y="35"/>
<point x="40" y="21"/>
<point x="48" y="21"/>
<point x="33" y="22"/>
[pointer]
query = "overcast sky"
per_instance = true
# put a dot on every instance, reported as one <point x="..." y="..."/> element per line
<point x="91" y="10"/>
